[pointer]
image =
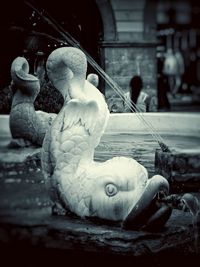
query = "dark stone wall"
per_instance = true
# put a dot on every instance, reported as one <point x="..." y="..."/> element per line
<point x="133" y="48"/>
<point x="121" y="63"/>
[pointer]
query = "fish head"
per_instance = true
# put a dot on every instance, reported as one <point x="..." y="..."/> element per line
<point x="116" y="188"/>
<point x="124" y="193"/>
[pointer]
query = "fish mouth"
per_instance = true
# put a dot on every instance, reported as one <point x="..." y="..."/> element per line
<point x="148" y="214"/>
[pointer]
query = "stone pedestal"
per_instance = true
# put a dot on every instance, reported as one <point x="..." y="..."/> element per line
<point x="180" y="167"/>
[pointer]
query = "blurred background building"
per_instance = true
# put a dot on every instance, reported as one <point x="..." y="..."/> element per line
<point x="158" y="40"/>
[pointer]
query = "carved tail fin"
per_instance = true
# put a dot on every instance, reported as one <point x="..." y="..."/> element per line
<point x="22" y="80"/>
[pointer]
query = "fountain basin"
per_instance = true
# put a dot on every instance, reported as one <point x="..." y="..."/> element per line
<point x="25" y="213"/>
<point x="126" y="135"/>
<point x="181" y="166"/>
<point x="170" y="123"/>
<point x="167" y="123"/>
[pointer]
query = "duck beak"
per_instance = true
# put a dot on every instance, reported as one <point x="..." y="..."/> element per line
<point x="148" y="214"/>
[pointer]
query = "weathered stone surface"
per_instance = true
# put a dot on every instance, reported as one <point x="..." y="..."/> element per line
<point x="20" y="160"/>
<point x="135" y="60"/>
<point x="34" y="228"/>
<point x="58" y="230"/>
<point x="181" y="167"/>
<point x="26" y="223"/>
<point x="26" y="124"/>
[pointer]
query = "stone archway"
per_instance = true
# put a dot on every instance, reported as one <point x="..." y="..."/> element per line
<point x="108" y="20"/>
<point x="87" y="21"/>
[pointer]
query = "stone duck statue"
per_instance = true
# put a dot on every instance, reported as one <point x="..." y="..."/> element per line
<point x="116" y="190"/>
<point x="27" y="126"/>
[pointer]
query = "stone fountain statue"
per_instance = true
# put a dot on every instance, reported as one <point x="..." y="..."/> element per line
<point x="93" y="79"/>
<point x="117" y="189"/>
<point x="27" y="126"/>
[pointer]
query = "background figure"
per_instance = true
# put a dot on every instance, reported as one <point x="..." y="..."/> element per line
<point x="180" y="70"/>
<point x="136" y="97"/>
<point x="163" y="102"/>
<point x="170" y="69"/>
<point x="162" y="85"/>
<point x="93" y="79"/>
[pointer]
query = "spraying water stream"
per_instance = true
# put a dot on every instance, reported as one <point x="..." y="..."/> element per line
<point x="192" y="203"/>
<point x="73" y="42"/>
<point x="187" y="202"/>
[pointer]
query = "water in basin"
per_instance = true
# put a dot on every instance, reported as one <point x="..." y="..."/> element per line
<point x="140" y="147"/>
<point x="27" y="190"/>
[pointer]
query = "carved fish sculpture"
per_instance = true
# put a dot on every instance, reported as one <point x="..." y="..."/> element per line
<point x="27" y="126"/>
<point x="117" y="189"/>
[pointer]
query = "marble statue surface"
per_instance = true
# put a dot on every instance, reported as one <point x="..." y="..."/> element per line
<point x="117" y="189"/>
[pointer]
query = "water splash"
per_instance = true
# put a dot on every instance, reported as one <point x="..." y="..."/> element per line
<point x="187" y="203"/>
<point x="73" y="42"/>
<point x="192" y="203"/>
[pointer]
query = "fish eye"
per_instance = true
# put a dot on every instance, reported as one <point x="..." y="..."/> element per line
<point x="111" y="190"/>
